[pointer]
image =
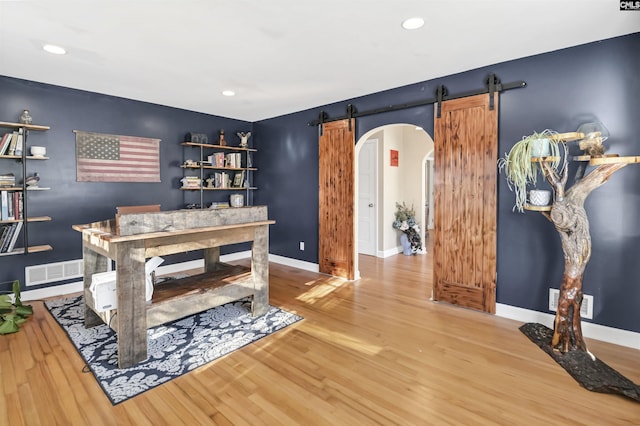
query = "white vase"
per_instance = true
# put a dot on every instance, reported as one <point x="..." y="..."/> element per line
<point x="540" y="148"/>
<point x="539" y="197"/>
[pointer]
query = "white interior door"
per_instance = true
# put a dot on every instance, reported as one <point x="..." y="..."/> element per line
<point x="367" y="197"/>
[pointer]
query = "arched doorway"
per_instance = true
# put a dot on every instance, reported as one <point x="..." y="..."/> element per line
<point x="407" y="182"/>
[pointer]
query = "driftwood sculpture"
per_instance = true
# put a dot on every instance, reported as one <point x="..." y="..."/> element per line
<point x="565" y="343"/>
<point x="570" y="219"/>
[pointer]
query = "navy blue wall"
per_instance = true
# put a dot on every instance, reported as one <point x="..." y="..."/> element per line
<point x="70" y="202"/>
<point x="564" y="89"/>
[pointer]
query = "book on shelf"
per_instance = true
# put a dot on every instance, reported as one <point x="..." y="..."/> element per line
<point x="17" y="205"/>
<point x="12" y="145"/>
<point x="4" y="142"/>
<point x="9" y="236"/>
<point x="14" y="237"/>
<point x="4" y="205"/>
<point x="4" y="230"/>
<point x="7" y="179"/>
<point x="19" y="144"/>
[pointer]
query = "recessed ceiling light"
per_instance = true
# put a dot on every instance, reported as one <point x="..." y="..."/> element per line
<point x="52" y="48"/>
<point x="412" y="23"/>
<point x="228" y="93"/>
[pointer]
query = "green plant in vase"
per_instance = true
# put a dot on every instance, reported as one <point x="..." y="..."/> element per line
<point x="522" y="163"/>
<point x="13" y="312"/>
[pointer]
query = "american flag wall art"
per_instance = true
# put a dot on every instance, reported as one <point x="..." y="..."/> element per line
<point x="115" y="158"/>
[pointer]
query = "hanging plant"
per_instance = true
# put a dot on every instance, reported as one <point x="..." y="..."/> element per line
<point x="13" y="313"/>
<point x="519" y="168"/>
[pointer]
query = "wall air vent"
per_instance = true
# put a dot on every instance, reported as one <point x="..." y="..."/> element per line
<point x="586" y="309"/>
<point x="52" y="272"/>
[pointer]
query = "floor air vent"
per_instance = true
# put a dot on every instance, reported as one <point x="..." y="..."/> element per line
<point x="586" y="309"/>
<point x="52" y="272"/>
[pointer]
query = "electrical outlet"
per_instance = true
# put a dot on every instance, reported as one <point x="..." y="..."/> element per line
<point x="301" y="245"/>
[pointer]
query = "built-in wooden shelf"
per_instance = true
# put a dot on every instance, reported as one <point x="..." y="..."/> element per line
<point x="537" y="208"/>
<point x="30" y="219"/>
<point x="209" y="145"/>
<point x="24" y="126"/>
<point x="30" y="249"/>
<point x="242" y="188"/>
<point x="596" y="161"/>
<point x="549" y="159"/>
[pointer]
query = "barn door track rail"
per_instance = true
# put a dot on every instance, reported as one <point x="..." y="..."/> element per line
<point x="492" y="85"/>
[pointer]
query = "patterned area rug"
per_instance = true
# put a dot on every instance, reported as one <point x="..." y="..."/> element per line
<point x="174" y="348"/>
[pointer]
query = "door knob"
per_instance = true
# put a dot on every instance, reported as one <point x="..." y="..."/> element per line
<point x="370" y="204"/>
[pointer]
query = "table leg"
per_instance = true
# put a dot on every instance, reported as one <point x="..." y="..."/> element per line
<point x="211" y="259"/>
<point x="132" y="306"/>
<point x="260" y="271"/>
<point x="93" y="263"/>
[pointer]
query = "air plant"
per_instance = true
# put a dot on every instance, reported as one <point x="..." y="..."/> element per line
<point x="521" y="170"/>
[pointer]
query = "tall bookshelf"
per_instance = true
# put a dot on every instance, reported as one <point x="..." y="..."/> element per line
<point x="200" y="162"/>
<point x="20" y="186"/>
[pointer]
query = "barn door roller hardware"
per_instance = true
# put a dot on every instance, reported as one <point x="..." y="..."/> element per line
<point x="321" y="120"/>
<point x="492" y="84"/>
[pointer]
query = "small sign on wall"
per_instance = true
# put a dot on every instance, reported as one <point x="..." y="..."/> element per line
<point x="394" y="157"/>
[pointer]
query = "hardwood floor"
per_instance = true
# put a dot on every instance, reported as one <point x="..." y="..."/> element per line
<point x="373" y="351"/>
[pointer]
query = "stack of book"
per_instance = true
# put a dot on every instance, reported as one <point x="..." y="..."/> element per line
<point x="11" y="143"/>
<point x="9" y="235"/>
<point x="7" y="180"/>
<point x="234" y="160"/>
<point x="11" y="205"/>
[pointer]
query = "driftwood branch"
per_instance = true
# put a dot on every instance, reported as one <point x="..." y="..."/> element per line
<point x="570" y="219"/>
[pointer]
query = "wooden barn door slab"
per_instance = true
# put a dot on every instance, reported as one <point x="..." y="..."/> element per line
<point x="466" y="146"/>
<point x="336" y="222"/>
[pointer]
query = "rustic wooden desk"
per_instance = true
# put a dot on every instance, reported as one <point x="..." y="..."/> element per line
<point x="141" y="236"/>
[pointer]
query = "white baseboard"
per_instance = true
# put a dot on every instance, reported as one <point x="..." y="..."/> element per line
<point x="616" y="336"/>
<point x="294" y="263"/>
<point x="389" y="252"/>
<point x="590" y="330"/>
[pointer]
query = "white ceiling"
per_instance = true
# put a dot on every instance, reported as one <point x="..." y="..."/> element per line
<point x="282" y="56"/>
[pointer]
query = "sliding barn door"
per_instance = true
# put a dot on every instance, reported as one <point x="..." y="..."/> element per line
<point x="466" y="146"/>
<point x="336" y="222"/>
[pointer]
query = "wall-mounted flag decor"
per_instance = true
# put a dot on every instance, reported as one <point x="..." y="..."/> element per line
<point x="115" y="158"/>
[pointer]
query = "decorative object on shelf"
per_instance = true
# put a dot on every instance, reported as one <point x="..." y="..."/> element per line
<point x="192" y="206"/>
<point x="189" y="163"/>
<point x="13" y="313"/>
<point x="211" y="182"/>
<point x="38" y="151"/>
<point x="540" y="197"/>
<point x="405" y="221"/>
<point x="197" y="137"/>
<point x="519" y="168"/>
<point x="244" y="139"/>
<point x="191" y="182"/>
<point x="540" y="147"/>
<point x="25" y="117"/>
<point x="594" y="134"/>
<point x="32" y="181"/>
<point x="221" y="140"/>
<point x="236" y="200"/>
